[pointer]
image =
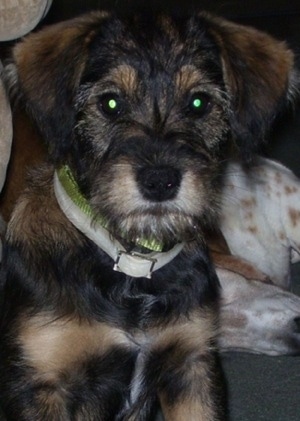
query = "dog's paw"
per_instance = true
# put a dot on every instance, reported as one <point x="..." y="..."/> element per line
<point x="258" y="317"/>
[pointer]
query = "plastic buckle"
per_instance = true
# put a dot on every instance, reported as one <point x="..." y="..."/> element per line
<point x="121" y="262"/>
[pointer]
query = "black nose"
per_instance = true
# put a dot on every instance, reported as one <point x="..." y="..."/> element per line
<point x="159" y="183"/>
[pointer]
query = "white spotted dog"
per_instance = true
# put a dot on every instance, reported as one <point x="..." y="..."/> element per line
<point x="261" y="224"/>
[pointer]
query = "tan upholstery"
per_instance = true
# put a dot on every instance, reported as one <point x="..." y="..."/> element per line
<point x="18" y="17"/>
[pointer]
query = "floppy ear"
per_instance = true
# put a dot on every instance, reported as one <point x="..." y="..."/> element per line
<point x="46" y="72"/>
<point x="259" y="75"/>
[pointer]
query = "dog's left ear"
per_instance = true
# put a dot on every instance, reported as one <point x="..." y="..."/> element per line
<point x="260" y="77"/>
<point x="45" y="73"/>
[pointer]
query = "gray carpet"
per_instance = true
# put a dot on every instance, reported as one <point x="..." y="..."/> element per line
<point x="262" y="388"/>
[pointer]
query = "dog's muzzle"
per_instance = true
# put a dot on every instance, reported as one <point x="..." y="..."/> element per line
<point x="79" y="213"/>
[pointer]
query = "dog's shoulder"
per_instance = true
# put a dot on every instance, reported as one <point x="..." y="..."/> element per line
<point x="37" y="214"/>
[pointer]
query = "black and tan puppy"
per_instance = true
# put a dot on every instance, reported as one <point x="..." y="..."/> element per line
<point x="110" y="298"/>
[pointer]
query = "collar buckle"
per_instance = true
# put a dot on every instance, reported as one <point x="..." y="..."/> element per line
<point x="127" y="259"/>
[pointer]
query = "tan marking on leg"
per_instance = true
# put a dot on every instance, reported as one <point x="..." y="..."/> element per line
<point x="195" y="332"/>
<point x="187" y="410"/>
<point x="191" y="361"/>
<point x="52" y="403"/>
<point x="52" y="346"/>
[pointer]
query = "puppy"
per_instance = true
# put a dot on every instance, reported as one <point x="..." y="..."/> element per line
<point x="110" y="300"/>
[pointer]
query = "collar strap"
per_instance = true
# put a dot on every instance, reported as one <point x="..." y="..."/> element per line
<point x="78" y="211"/>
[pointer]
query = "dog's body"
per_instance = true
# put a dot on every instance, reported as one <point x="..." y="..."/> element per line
<point x="140" y="116"/>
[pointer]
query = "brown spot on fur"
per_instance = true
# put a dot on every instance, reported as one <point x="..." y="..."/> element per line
<point x="248" y="203"/>
<point x="294" y="215"/>
<point x="238" y="322"/>
<point x="290" y="190"/>
<point x="253" y="229"/>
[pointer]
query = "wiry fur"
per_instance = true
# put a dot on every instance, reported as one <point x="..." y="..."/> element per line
<point x="80" y="341"/>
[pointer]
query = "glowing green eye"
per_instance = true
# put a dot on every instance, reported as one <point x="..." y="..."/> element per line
<point x="110" y="105"/>
<point x="199" y="104"/>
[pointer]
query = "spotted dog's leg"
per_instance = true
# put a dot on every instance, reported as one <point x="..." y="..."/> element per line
<point x="261" y="223"/>
<point x="257" y="316"/>
<point x="261" y="217"/>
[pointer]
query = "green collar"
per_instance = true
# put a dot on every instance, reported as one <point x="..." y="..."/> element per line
<point x="71" y="187"/>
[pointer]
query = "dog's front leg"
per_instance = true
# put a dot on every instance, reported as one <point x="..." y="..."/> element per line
<point x="189" y="391"/>
<point x="64" y="369"/>
<point x="188" y="385"/>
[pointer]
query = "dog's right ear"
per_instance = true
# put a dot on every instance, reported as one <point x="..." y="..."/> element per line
<point x="45" y="72"/>
<point x="260" y="76"/>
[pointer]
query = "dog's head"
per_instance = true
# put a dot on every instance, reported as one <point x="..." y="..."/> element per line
<point x="146" y="110"/>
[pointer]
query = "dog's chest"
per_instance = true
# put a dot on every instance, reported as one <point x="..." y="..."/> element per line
<point x="185" y="284"/>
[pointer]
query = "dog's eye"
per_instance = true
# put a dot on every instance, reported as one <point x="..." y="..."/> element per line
<point x="199" y="104"/>
<point x="110" y="105"/>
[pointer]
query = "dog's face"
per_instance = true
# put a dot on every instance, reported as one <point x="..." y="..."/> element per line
<point x="146" y="111"/>
<point x="151" y="128"/>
